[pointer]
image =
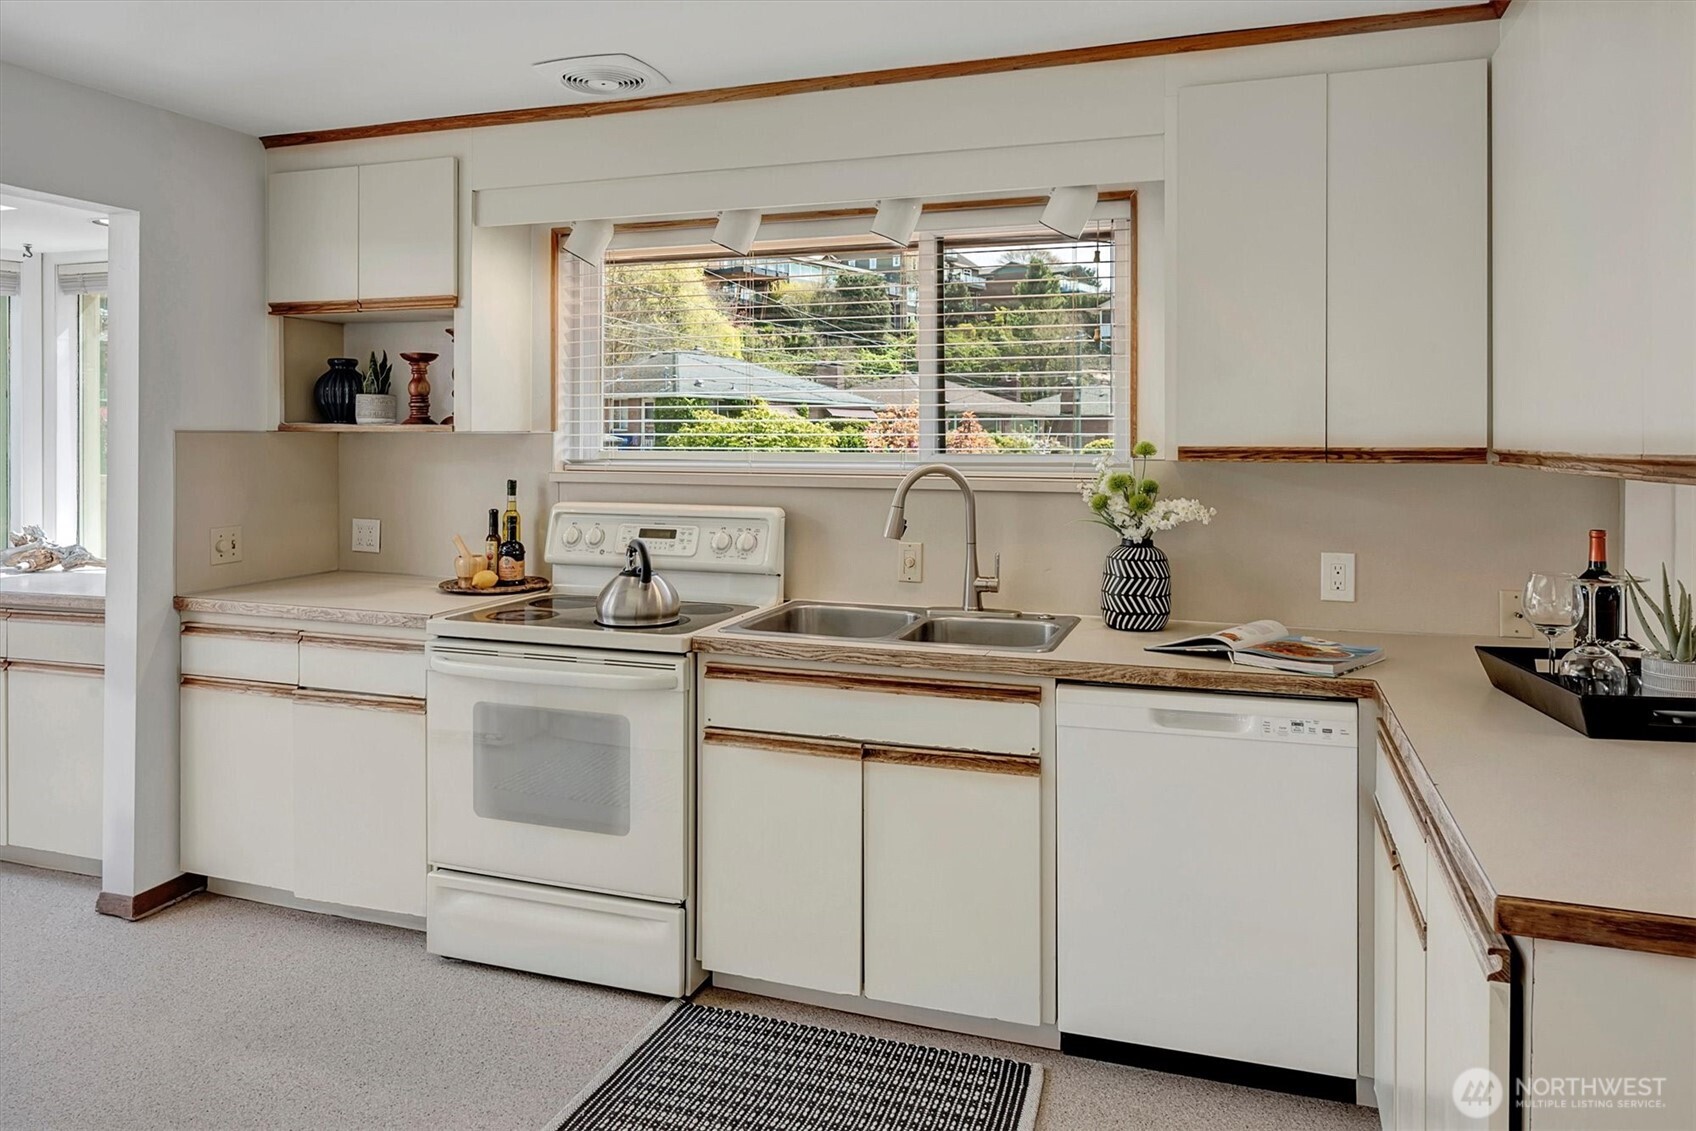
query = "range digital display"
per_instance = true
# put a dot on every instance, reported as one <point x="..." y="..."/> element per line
<point x="656" y="534"/>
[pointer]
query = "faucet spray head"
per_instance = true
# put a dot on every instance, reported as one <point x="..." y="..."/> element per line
<point x="897" y="522"/>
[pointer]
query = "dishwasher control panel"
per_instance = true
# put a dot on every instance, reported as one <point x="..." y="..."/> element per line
<point x="1322" y="732"/>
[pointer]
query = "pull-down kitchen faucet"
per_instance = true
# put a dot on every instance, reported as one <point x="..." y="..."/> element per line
<point x="976" y="586"/>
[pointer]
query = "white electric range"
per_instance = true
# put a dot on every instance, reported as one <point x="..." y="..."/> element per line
<point x="561" y="785"/>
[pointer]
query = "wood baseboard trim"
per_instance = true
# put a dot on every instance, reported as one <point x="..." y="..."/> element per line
<point x="1068" y="57"/>
<point x="1655" y="468"/>
<point x="156" y="898"/>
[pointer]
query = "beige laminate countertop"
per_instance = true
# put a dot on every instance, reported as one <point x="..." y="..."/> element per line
<point x="1558" y="835"/>
<point x="79" y="590"/>
<point x="383" y="600"/>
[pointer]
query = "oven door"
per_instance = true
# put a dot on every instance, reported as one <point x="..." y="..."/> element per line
<point x="561" y="766"/>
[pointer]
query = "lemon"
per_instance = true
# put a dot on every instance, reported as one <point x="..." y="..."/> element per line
<point x="484" y="579"/>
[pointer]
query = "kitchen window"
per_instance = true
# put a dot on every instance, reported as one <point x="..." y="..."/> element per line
<point x="987" y="344"/>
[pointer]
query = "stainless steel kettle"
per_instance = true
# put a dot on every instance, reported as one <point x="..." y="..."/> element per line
<point x="638" y="597"/>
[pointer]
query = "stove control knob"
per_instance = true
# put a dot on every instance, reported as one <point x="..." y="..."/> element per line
<point x="721" y="540"/>
<point x="745" y="541"/>
<point x="573" y="534"/>
<point x="596" y="536"/>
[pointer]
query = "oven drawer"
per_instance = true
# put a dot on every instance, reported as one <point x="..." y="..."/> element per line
<point x="908" y="710"/>
<point x="566" y="934"/>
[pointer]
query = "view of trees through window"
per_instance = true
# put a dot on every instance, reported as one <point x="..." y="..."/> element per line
<point x="822" y="352"/>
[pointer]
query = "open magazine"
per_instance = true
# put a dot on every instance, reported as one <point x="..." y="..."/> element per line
<point x="1268" y="644"/>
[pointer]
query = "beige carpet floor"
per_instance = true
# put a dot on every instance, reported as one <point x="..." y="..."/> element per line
<point x="219" y="1013"/>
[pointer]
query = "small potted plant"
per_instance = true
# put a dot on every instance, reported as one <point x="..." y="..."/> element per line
<point x="1669" y="665"/>
<point x="1136" y="585"/>
<point x="374" y="405"/>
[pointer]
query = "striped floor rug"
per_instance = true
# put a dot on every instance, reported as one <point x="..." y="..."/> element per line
<point x="707" y="1069"/>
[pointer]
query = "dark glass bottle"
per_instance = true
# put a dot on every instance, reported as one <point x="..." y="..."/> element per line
<point x="492" y="544"/>
<point x="512" y="553"/>
<point x="1607" y="597"/>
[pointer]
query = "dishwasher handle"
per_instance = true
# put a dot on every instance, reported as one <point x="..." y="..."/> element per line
<point x="1208" y="722"/>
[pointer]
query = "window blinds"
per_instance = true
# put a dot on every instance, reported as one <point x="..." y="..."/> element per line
<point x="82" y="278"/>
<point x="11" y="278"/>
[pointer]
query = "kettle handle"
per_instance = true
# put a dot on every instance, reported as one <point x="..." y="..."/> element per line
<point x="637" y="563"/>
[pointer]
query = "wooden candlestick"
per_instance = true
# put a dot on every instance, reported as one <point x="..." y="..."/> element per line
<point x="418" y="389"/>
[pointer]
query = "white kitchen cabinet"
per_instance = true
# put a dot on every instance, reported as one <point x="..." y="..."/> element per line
<point x="1466" y="1014"/>
<point x="1409" y="1087"/>
<point x="1407" y="210"/>
<point x="312" y="236"/>
<point x="1384" y="899"/>
<point x="55" y="755"/>
<point x="237" y="767"/>
<point x="779" y="871"/>
<point x="1250" y="264"/>
<point x="953" y="885"/>
<point x="408" y="244"/>
<point x="358" y="810"/>
<point x="3" y="728"/>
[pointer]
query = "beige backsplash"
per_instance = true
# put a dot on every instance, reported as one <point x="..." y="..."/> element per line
<point x="1433" y="544"/>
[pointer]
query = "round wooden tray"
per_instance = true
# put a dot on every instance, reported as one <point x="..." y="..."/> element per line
<point x="501" y="588"/>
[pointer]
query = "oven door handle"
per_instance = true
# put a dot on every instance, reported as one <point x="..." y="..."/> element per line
<point x="558" y="675"/>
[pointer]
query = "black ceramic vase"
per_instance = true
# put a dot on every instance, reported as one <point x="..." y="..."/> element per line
<point x="336" y="389"/>
<point x="1136" y="588"/>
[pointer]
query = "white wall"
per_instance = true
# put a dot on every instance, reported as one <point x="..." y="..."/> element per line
<point x="187" y="351"/>
<point x="1594" y="203"/>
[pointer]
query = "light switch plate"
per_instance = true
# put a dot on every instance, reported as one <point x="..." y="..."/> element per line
<point x="367" y="535"/>
<point x="1336" y="577"/>
<point x="226" y="544"/>
<point x="1511" y="607"/>
<point x="912" y="561"/>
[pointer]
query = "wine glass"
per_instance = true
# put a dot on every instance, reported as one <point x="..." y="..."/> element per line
<point x="1590" y="668"/>
<point x="1552" y="606"/>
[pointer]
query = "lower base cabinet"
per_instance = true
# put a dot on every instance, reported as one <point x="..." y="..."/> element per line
<point x="953" y="885"/>
<point x="359" y="803"/>
<point x="237" y="751"/>
<point x="55" y="758"/>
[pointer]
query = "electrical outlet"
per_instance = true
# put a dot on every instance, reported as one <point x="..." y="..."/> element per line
<point x="912" y="561"/>
<point x="367" y="535"/>
<point x="1511" y="613"/>
<point x="226" y="544"/>
<point x="1336" y="577"/>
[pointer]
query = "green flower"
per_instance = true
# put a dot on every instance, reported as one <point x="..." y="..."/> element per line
<point x="1149" y="487"/>
<point x="1144" y="449"/>
<point x="1141" y="504"/>
<point x="1122" y="482"/>
<point x="1098" y="503"/>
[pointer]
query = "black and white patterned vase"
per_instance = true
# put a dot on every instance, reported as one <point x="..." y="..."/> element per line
<point x="1136" y="588"/>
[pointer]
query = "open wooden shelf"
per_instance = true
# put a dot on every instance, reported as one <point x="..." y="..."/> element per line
<point x="286" y="427"/>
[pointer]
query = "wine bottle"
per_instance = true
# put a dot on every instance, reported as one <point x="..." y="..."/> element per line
<point x="1606" y="613"/>
<point x="511" y="515"/>
<point x="512" y="553"/>
<point x="492" y="544"/>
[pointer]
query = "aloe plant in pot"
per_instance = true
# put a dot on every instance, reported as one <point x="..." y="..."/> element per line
<point x="374" y="405"/>
<point x="1669" y="667"/>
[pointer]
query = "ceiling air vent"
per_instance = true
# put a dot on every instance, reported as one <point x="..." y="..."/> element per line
<point x="602" y="76"/>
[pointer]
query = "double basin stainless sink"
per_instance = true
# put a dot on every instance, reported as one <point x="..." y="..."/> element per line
<point x="958" y="628"/>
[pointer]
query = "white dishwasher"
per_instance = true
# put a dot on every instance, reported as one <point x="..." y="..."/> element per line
<point x="1207" y="885"/>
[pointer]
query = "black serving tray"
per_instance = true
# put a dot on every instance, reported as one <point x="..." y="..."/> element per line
<point x="1654" y="717"/>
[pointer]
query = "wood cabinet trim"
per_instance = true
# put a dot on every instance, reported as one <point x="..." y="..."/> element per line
<point x="359" y="700"/>
<point x="1245" y="453"/>
<point x="1400" y="872"/>
<point x="879" y="684"/>
<point x="361" y="643"/>
<point x="239" y="686"/>
<point x="1597" y="926"/>
<point x="782" y="743"/>
<point x="1104" y="53"/>
<point x="55" y="667"/>
<point x="415" y="302"/>
<point x="1656" y="468"/>
<point x="1407" y="455"/>
<point x="1017" y="765"/>
<point x="363" y="305"/>
<point x="54" y="616"/>
<point x="301" y="309"/>
<point x="234" y="632"/>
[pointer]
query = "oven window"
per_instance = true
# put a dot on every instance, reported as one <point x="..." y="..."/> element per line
<point x="564" y="769"/>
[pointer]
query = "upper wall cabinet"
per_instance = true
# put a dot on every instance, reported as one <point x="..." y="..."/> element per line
<point x="1332" y="267"/>
<point x="366" y="237"/>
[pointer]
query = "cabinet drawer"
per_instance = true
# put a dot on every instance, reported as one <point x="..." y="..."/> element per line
<point x="223" y="652"/>
<point x="60" y="638"/>
<point x="912" y="710"/>
<point x="1407" y="835"/>
<point x="374" y="665"/>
